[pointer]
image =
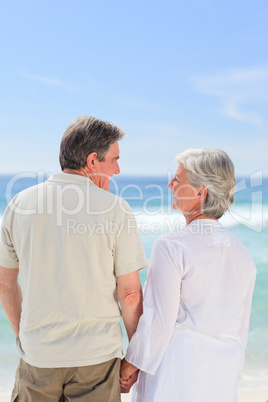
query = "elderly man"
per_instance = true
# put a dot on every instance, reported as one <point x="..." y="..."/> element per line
<point x="76" y="248"/>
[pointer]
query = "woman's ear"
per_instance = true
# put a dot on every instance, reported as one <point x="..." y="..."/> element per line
<point x="202" y="192"/>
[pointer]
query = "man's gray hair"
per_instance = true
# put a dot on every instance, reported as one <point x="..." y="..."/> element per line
<point x="213" y="169"/>
<point x="86" y="134"/>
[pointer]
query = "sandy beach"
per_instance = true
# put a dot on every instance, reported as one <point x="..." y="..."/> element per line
<point x="243" y="396"/>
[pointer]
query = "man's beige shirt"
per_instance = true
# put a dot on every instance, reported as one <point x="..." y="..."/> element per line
<point x="70" y="240"/>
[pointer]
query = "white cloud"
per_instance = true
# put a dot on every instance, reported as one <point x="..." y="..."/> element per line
<point x="236" y="88"/>
<point x="50" y="81"/>
<point x="230" y="110"/>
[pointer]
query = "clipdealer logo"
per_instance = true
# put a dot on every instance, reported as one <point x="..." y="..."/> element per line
<point x="152" y="202"/>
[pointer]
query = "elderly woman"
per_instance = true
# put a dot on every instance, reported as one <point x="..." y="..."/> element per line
<point x="191" y="338"/>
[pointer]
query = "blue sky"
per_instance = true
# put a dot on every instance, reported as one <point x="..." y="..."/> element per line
<point x="174" y="75"/>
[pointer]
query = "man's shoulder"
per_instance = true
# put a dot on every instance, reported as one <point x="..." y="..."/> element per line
<point x="121" y="206"/>
<point x="26" y="193"/>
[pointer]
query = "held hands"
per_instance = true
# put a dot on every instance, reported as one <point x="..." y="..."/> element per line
<point x="128" y="376"/>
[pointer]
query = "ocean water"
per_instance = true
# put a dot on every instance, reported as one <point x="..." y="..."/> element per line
<point x="151" y="202"/>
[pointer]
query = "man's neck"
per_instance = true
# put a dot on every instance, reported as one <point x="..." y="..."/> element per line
<point x="80" y="172"/>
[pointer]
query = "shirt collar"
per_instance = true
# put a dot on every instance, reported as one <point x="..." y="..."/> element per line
<point x="71" y="178"/>
<point x="205" y="222"/>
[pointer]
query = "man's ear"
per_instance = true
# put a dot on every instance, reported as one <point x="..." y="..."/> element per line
<point x="91" y="161"/>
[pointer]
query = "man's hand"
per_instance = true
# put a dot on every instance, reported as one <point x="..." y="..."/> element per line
<point x="128" y="376"/>
<point x="125" y="385"/>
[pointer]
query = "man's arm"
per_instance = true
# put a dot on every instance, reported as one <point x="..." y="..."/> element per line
<point x="129" y="294"/>
<point x="10" y="296"/>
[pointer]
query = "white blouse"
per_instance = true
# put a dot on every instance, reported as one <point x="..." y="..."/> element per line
<point x="191" y="338"/>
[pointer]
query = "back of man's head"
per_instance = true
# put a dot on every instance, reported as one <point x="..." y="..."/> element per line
<point x="86" y="134"/>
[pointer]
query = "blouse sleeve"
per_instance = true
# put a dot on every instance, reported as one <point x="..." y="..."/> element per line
<point x="244" y="328"/>
<point x="160" y="310"/>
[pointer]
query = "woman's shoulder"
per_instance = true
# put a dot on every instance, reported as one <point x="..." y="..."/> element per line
<point x="172" y="241"/>
<point x="178" y="236"/>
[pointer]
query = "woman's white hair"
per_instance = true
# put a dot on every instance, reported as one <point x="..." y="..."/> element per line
<point x="213" y="169"/>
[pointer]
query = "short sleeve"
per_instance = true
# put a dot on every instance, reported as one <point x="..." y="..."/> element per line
<point x="8" y="256"/>
<point x="129" y="254"/>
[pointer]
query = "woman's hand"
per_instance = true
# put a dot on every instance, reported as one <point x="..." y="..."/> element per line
<point x="128" y="376"/>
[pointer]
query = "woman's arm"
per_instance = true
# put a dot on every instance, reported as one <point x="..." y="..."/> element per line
<point x="160" y="309"/>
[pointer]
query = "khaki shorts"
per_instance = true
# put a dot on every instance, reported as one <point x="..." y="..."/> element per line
<point x="97" y="383"/>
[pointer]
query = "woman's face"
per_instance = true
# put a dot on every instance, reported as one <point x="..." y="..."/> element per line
<point x="186" y="199"/>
